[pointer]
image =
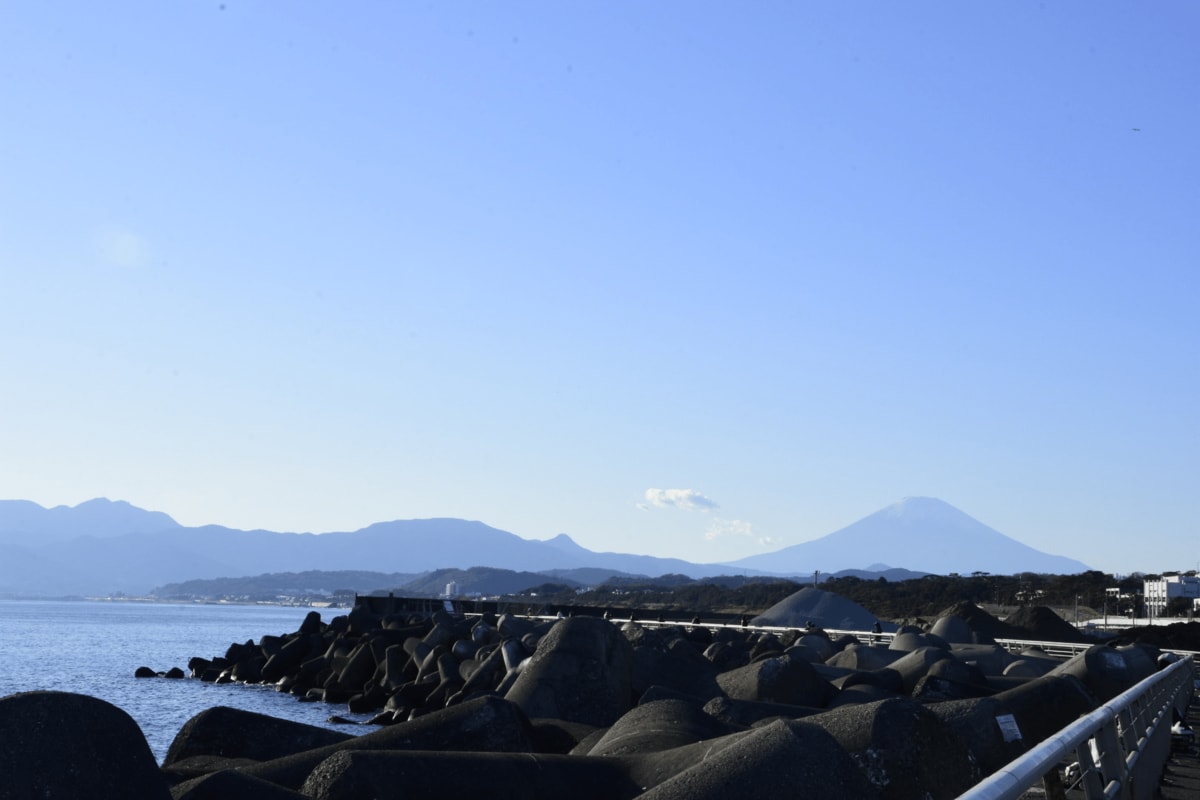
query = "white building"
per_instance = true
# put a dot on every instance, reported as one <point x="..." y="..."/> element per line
<point x="1160" y="592"/>
<point x="451" y="588"/>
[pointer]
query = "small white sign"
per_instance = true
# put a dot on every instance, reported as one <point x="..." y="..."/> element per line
<point x="1008" y="727"/>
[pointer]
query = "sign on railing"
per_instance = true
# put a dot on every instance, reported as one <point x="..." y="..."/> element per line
<point x="1118" y="750"/>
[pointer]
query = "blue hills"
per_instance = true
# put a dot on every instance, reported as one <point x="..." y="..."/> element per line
<point x="102" y="546"/>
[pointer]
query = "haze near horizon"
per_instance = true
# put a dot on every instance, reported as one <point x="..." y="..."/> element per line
<point x="688" y="281"/>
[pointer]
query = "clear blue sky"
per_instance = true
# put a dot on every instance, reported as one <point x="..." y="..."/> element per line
<point x="690" y="279"/>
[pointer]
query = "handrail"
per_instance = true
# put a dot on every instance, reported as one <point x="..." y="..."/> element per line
<point x="1129" y="736"/>
<point x="1052" y="649"/>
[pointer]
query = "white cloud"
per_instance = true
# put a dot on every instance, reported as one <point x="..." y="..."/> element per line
<point x="686" y="499"/>
<point x="720" y="528"/>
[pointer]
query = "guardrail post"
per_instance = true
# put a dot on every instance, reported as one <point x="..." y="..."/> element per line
<point x="1089" y="777"/>
<point x="1112" y="760"/>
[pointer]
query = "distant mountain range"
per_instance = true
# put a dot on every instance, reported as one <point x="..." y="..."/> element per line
<point x="921" y="533"/>
<point x="102" y="547"/>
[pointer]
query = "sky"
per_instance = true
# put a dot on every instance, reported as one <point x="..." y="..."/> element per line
<point x="687" y="279"/>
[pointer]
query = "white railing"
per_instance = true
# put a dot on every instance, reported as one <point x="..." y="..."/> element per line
<point x="1120" y="747"/>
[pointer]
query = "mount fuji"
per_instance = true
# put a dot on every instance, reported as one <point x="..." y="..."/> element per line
<point x="917" y="533"/>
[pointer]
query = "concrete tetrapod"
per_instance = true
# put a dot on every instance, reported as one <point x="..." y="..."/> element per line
<point x="353" y="775"/>
<point x="657" y="726"/>
<point x="780" y="679"/>
<point x="999" y="728"/>
<point x="781" y="758"/>
<point x="233" y="733"/>
<point x="59" y="744"/>
<point x="902" y="748"/>
<point x="582" y="671"/>
<point x="486" y="724"/>
<point x="229" y="784"/>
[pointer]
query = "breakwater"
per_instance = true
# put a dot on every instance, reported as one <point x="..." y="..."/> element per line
<point x="484" y="702"/>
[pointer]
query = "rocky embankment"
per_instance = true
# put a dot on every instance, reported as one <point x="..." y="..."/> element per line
<point x="581" y="707"/>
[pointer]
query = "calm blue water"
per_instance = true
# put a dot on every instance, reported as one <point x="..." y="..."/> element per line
<point x="93" y="648"/>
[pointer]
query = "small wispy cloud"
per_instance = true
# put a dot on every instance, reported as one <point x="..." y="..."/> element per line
<point x="721" y="528"/>
<point x="686" y="499"/>
<point x="725" y="528"/>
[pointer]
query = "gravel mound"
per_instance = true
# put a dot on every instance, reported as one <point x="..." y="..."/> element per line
<point x="1176" y="636"/>
<point x="823" y="609"/>
<point x="1042" y="624"/>
<point x="986" y="627"/>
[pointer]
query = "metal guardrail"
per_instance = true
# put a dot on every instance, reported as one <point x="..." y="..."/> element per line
<point x="1120" y="747"/>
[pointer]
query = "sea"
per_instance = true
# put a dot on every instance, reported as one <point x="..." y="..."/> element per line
<point x="94" y="647"/>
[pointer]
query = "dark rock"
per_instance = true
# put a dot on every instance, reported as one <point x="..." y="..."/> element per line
<point x="229" y="784"/>
<point x="144" y="672"/>
<point x="484" y="673"/>
<point x="778" y="680"/>
<point x="990" y="659"/>
<point x="1028" y="668"/>
<point x="999" y="728"/>
<point x="915" y="664"/>
<point x="198" y="666"/>
<point x="270" y="645"/>
<point x="487" y="724"/>
<point x="766" y="645"/>
<point x="820" y="645"/>
<point x="198" y="766"/>
<point x="174" y="673"/>
<point x="953" y="629"/>
<point x="902" y="748"/>
<point x="962" y="674"/>
<point x="582" y="672"/>
<point x="289" y="657"/>
<point x="864" y="657"/>
<point x="738" y="714"/>
<point x="885" y="678"/>
<point x="240" y="652"/>
<point x="908" y="641"/>
<point x="657" y="726"/>
<point x="1108" y="671"/>
<point x="861" y="693"/>
<point x="782" y="758"/>
<point x="727" y="655"/>
<point x="556" y="737"/>
<point x="360" y="620"/>
<point x="312" y="623"/>
<point x="62" y="745"/>
<point x="935" y="688"/>
<point x="233" y="733"/>
<point x="368" y="701"/>
<point x="985" y="628"/>
<point x="360" y="666"/>
<point x="352" y="775"/>
<point x="668" y="658"/>
<point x="249" y="670"/>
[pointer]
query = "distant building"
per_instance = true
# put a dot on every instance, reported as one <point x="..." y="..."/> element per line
<point x="451" y="589"/>
<point x="1160" y="592"/>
